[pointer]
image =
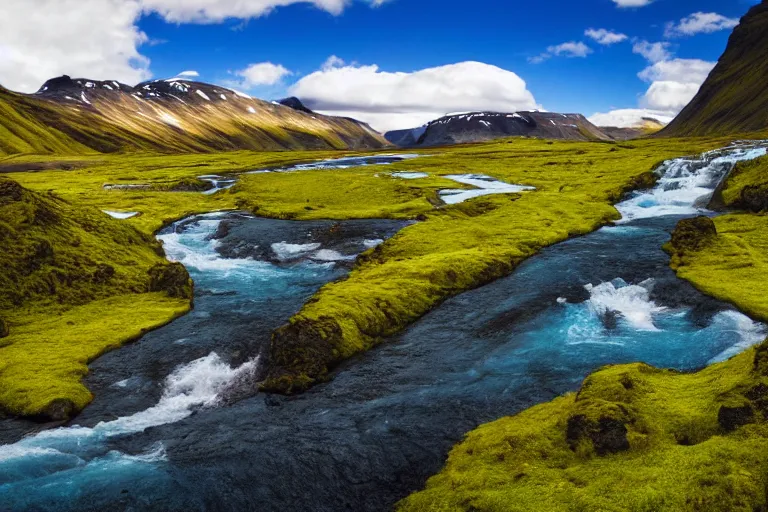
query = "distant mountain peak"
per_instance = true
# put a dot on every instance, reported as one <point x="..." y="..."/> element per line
<point x="296" y="104"/>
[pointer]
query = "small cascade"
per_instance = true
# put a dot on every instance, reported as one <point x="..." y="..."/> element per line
<point x="686" y="185"/>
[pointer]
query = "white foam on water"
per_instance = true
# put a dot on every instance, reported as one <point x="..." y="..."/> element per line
<point x="484" y="185"/>
<point x="285" y="251"/>
<point x="370" y="244"/>
<point x="330" y="255"/>
<point x="194" y="249"/>
<point x="120" y="215"/>
<point x="750" y="333"/>
<point x="190" y="387"/>
<point x="410" y="175"/>
<point x="686" y="184"/>
<point x="632" y="302"/>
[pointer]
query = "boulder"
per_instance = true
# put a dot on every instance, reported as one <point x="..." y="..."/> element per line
<point x="171" y="278"/>
<point x="691" y="235"/>
<point x="731" y="417"/>
<point x="607" y="434"/>
<point x="754" y="198"/>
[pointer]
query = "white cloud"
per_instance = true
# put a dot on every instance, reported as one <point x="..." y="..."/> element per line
<point x="263" y="73"/>
<point x="570" y="49"/>
<point x="669" y="96"/>
<point x="389" y="100"/>
<point x="700" y="23"/>
<point x="629" y="117"/>
<point x="605" y="37"/>
<point x="632" y="3"/>
<point x="673" y="84"/>
<point x="99" y="39"/>
<point x="47" y="38"/>
<point x="678" y="70"/>
<point x="188" y="74"/>
<point x="215" y="11"/>
<point x="654" y="52"/>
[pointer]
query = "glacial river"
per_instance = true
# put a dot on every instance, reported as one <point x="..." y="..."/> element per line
<point x="177" y="423"/>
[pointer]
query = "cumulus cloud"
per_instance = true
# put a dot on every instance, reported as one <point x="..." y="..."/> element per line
<point x="392" y="100"/>
<point x="605" y="37"/>
<point x="629" y="117"/>
<point x="632" y="3"/>
<point x="41" y="39"/>
<point x="263" y="73"/>
<point x="700" y="23"/>
<point x="570" y="49"/>
<point x="47" y="38"/>
<point x="654" y="52"/>
<point x="673" y="84"/>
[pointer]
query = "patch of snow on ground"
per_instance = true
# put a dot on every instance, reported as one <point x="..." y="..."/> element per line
<point x="202" y="95"/>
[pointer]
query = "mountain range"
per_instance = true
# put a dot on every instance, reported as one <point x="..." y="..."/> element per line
<point x="483" y="126"/>
<point x="175" y="115"/>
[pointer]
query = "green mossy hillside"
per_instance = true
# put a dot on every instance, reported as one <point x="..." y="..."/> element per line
<point x="58" y="258"/>
<point x="633" y="439"/>
<point x="733" y="99"/>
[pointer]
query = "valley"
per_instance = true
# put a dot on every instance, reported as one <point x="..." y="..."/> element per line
<point x="214" y="302"/>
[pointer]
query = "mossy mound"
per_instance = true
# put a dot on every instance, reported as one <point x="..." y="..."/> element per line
<point x="634" y="438"/>
<point x="746" y="188"/>
<point x="692" y="235"/>
<point x="58" y="261"/>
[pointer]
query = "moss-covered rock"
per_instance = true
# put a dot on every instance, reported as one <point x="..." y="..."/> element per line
<point x="691" y="235"/>
<point x="172" y="279"/>
<point x="301" y="353"/>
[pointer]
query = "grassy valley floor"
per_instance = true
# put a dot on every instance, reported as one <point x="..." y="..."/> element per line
<point x="451" y="249"/>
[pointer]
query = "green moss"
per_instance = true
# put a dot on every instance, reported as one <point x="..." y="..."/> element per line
<point x="670" y="450"/>
<point x="44" y="359"/>
<point x="731" y="265"/>
<point x="75" y="283"/>
<point x="747" y="186"/>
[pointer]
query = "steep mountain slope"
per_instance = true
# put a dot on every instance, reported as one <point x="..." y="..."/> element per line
<point x="484" y="126"/>
<point x="79" y="115"/>
<point x="734" y="98"/>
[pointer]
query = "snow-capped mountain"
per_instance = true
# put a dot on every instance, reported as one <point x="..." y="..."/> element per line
<point x="169" y="115"/>
<point x="481" y="126"/>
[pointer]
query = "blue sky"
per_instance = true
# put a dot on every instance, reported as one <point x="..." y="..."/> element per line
<point x="398" y="36"/>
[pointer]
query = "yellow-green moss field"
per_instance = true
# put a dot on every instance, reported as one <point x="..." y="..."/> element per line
<point x="454" y="248"/>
